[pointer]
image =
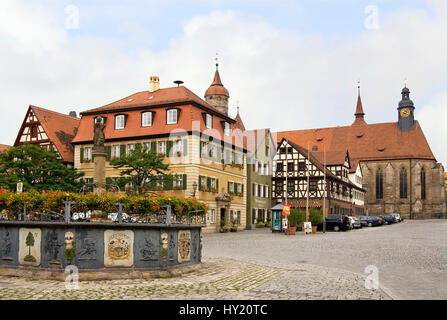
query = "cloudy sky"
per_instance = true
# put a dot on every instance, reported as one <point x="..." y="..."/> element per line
<point x="289" y="64"/>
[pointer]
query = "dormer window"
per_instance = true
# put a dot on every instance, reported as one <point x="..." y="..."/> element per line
<point x="227" y="129"/>
<point x="171" y="116"/>
<point x="120" y="121"/>
<point x="209" y="121"/>
<point x="146" y="119"/>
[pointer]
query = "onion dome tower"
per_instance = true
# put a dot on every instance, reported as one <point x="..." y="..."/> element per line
<point x="406" y="111"/>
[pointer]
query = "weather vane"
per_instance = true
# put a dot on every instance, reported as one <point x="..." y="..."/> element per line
<point x="237" y="106"/>
<point x="358" y="85"/>
<point x="405" y="82"/>
<point x="217" y="58"/>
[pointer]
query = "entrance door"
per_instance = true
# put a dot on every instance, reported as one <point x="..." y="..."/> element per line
<point x="222" y="217"/>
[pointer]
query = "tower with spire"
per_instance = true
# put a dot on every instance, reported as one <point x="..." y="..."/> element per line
<point x="217" y="95"/>
<point x="359" y="114"/>
<point x="405" y="111"/>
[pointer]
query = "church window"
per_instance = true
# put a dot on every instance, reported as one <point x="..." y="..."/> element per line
<point x="379" y="185"/>
<point x="403" y="184"/>
<point x="423" y="195"/>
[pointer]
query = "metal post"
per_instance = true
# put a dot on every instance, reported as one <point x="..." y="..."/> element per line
<point x="167" y="209"/>
<point x="24" y="212"/>
<point x="308" y="175"/>
<point x="287" y="184"/>
<point x="324" y="192"/>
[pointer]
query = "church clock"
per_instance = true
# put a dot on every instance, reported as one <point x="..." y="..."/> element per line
<point x="406" y="112"/>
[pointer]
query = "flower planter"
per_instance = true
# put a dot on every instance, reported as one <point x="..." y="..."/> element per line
<point x="314" y="229"/>
<point x="291" y="231"/>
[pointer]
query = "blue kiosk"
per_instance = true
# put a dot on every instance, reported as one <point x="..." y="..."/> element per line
<point x="276" y="217"/>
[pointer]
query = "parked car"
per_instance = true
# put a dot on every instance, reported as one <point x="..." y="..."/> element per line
<point x="380" y="218"/>
<point x="389" y="219"/>
<point x="397" y="216"/>
<point x="354" y="223"/>
<point x="371" y="221"/>
<point x="336" y="222"/>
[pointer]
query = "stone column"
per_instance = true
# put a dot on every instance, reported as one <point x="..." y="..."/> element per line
<point x="99" y="175"/>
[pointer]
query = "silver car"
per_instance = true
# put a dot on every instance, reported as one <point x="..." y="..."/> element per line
<point x="354" y="223"/>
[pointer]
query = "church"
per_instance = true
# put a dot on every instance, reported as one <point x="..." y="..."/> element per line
<point x="400" y="174"/>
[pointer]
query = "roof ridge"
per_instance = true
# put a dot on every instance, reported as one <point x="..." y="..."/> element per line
<point x="55" y="112"/>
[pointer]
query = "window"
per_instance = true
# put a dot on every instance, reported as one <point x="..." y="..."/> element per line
<point x="266" y="169"/>
<point x="116" y="151"/>
<point x="256" y="165"/>
<point x="266" y="193"/>
<point x="238" y="158"/>
<point x="88" y="154"/>
<point x="178" y="182"/>
<point x="119" y="121"/>
<point x="261" y="168"/>
<point x="203" y="147"/>
<point x="253" y="212"/>
<point x="279" y="167"/>
<point x="179" y="146"/>
<point x="171" y="116"/>
<point x="230" y="187"/>
<point x="202" y="182"/>
<point x="213" y="183"/>
<point x="267" y="151"/>
<point x="147" y="146"/>
<point x="213" y="213"/>
<point x="290" y="166"/>
<point x="379" y="185"/>
<point x="227" y="129"/>
<point x="255" y="189"/>
<point x="403" y="184"/>
<point x="290" y="187"/>
<point x="146" y="119"/>
<point x="162" y="147"/>
<point x="312" y="186"/>
<point x="130" y="147"/>
<point x="301" y="166"/>
<point x="261" y="191"/>
<point x="209" y="121"/>
<point x="423" y="184"/>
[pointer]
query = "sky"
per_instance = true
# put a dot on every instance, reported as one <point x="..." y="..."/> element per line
<point x="287" y="64"/>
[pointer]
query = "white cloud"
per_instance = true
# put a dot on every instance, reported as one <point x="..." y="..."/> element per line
<point x="282" y="79"/>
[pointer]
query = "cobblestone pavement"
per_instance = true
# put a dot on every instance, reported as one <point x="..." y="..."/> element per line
<point x="411" y="256"/>
<point x="215" y="279"/>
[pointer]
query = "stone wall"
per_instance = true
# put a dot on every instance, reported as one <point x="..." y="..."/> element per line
<point x="412" y="207"/>
<point x="97" y="246"/>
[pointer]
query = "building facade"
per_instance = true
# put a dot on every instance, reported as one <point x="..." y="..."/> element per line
<point x="399" y="171"/>
<point x="301" y="180"/>
<point x="196" y="139"/>
<point x="261" y="150"/>
<point x="49" y="129"/>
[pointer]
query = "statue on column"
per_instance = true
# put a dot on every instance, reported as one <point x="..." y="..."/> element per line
<point x="99" y="137"/>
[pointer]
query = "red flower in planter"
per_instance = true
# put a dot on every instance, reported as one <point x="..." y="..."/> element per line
<point x="155" y="208"/>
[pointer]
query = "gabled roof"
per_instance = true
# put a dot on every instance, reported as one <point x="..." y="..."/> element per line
<point x="239" y="123"/>
<point x="380" y="141"/>
<point x="253" y="139"/>
<point x="60" y="129"/>
<point x="159" y="98"/>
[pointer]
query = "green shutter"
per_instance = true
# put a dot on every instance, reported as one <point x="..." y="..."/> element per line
<point x="217" y="185"/>
<point x="153" y="146"/>
<point x="109" y="153"/>
<point x="242" y="187"/>
<point x="200" y="149"/>
<point x="122" y="150"/>
<point x="82" y="155"/>
<point x="185" y="147"/>
<point x="169" y="146"/>
<point x="184" y="182"/>
<point x="208" y="183"/>
<point x="200" y="182"/>
<point x="168" y="183"/>
<point x="228" y="186"/>
<point x="139" y="144"/>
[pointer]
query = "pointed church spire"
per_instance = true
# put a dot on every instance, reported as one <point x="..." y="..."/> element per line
<point x="359" y="114"/>
<point x="217" y="95"/>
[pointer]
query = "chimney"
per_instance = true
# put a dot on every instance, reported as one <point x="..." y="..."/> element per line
<point x="154" y="83"/>
<point x="73" y="114"/>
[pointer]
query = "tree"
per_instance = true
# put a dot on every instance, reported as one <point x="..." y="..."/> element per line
<point x="38" y="169"/>
<point x="142" y="168"/>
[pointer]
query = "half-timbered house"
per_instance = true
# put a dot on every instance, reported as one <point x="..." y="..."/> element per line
<point x="49" y="129"/>
<point x="294" y="166"/>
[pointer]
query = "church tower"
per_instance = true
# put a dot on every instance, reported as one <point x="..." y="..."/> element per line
<point x="359" y="114"/>
<point x="217" y="95"/>
<point x="406" y="112"/>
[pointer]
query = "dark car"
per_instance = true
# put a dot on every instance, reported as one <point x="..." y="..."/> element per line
<point x="380" y="218"/>
<point x="370" y="221"/>
<point x="389" y="219"/>
<point x="336" y="223"/>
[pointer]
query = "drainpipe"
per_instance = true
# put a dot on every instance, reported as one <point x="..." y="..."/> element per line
<point x="411" y="191"/>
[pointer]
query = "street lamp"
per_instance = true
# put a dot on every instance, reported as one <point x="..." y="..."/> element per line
<point x="194" y="188"/>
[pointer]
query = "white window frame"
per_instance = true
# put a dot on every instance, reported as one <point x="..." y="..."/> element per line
<point x="227" y="129"/>
<point x="171" y="116"/>
<point x="146" y="119"/>
<point x="256" y="166"/>
<point x="213" y="213"/>
<point x="179" y="145"/>
<point x="255" y="186"/>
<point x="209" y="121"/>
<point x="230" y="187"/>
<point x="261" y="195"/>
<point x="116" y="151"/>
<point x="120" y="121"/>
<point x="213" y="183"/>
<point x="88" y="153"/>
<point x="162" y="147"/>
<point x="147" y="145"/>
<point x="130" y="147"/>
<point x="178" y="182"/>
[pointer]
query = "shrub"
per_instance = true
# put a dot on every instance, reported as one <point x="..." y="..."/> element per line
<point x="315" y="216"/>
<point x="260" y="225"/>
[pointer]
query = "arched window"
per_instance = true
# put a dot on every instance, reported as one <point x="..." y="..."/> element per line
<point x="379" y="184"/>
<point x="423" y="184"/>
<point x="403" y="184"/>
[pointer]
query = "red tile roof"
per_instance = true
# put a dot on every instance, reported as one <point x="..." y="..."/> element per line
<point x="190" y="119"/>
<point x="4" y="147"/>
<point x="217" y="87"/>
<point x="380" y="141"/>
<point x="60" y="129"/>
<point x="239" y="123"/>
<point x="333" y="158"/>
